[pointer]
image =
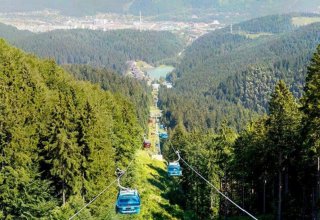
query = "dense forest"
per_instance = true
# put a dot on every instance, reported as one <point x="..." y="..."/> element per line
<point x="229" y="76"/>
<point x="244" y="112"/>
<point x="60" y="140"/>
<point x="271" y="168"/>
<point x="11" y="33"/>
<point x="138" y="93"/>
<point x="111" y="49"/>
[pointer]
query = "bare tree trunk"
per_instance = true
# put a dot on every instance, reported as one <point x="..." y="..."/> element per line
<point x="286" y="181"/>
<point x="264" y="196"/>
<point x="279" y="188"/>
<point x="63" y="188"/>
<point x="83" y="190"/>
<point x="313" y="204"/>
<point x="243" y="193"/>
<point x="303" y="203"/>
<point x="220" y="203"/>
<point x="63" y="194"/>
<point x="2" y="164"/>
<point x="317" y="189"/>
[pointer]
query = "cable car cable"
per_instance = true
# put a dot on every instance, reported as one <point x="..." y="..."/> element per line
<point x="103" y="191"/>
<point x="207" y="181"/>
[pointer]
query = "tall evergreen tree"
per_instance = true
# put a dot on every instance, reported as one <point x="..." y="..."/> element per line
<point x="283" y="125"/>
<point x="62" y="154"/>
<point x="311" y="130"/>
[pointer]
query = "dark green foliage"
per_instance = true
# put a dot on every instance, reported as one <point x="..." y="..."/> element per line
<point x="208" y="154"/>
<point x="111" y="49"/>
<point x="269" y="157"/>
<point x="60" y="139"/>
<point x="136" y="91"/>
<point x="229" y="76"/>
<point x="271" y="168"/>
<point x="311" y="100"/>
<point x="201" y="112"/>
<point x="310" y="132"/>
<point x="267" y="24"/>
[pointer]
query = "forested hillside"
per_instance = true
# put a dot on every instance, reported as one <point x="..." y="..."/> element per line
<point x="136" y="91"/>
<point x="229" y="76"/>
<point x="111" y="49"/>
<point x="13" y="34"/>
<point x="271" y="168"/>
<point x="60" y="140"/>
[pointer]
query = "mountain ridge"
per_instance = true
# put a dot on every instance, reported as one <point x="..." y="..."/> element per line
<point x="254" y="7"/>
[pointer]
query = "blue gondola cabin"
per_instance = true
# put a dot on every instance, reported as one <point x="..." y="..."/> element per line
<point x="164" y="135"/>
<point x="174" y="169"/>
<point x="128" y="202"/>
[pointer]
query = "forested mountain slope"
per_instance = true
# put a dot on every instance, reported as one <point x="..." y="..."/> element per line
<point x="238" y="70"/>
<point x="138" y="92"/>
<point x="111" y="49"/>
<point x="12" y="34"/>
<point x="282" y="58"/>
<point x="270" y="168"/>
<point x="60" y="139"/>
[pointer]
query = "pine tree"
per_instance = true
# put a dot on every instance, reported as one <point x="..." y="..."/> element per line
<point x="283" y="135"/>
<point x="62" y="154"/>
<point x="311" y="131"/>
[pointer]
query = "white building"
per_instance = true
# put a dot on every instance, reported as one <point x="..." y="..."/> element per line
<point x="155" y="86"/>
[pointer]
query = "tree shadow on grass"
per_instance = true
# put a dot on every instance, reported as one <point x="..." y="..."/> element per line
<point x="160" y="171"/>
<point x="157" y="184"/>
<point x="173" y="210"/>
<point x="160" y="180"/>
<point x="169" y="186"/>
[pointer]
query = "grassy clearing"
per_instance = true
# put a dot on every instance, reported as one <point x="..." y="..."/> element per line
<point x="255" y="35"/>
<point x="153" y="184"/>
<point x="150" y="178"/>
<point x="152" y="136"/>
<point x="302" y="21"/>
<point x="143" y="65"/>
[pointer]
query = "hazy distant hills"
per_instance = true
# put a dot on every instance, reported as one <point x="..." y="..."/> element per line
<point x="152" y="7"/>
<point x="111" y="49"/>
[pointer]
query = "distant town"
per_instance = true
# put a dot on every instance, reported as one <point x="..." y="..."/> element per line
<point x="48" y="20"/>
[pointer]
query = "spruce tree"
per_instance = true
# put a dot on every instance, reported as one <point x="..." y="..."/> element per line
<point x="283" y="135"/>
<point x="311" y="131"/>
<point x="62" y="154"/>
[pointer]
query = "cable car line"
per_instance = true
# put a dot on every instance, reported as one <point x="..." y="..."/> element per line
<point x="128" y="200"/>
<point x="208" y="182"/>
<point x="103" y="191"/>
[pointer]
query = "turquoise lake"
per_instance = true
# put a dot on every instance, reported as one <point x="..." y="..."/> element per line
<point x="160" y="71"/>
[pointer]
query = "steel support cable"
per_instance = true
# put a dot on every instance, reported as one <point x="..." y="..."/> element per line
<point x="215" y="188"/>
<point x="103" y="191"/>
